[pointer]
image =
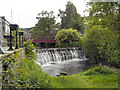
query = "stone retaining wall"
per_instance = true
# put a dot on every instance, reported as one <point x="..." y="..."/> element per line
<point x="4" y="57"/>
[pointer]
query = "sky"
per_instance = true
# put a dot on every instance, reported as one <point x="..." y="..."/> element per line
<point x="24" y="12"/>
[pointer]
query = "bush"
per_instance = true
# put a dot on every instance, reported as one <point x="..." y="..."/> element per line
<point x="30" y="50"/>
<point x="67" y="38"/>
<point x="100" y="45"/>
<point x="98" y="70"/>
<point x="91" y="42"/>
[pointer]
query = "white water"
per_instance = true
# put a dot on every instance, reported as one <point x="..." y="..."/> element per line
<point x="56" y="60"/>
<point x="56" y="55"/>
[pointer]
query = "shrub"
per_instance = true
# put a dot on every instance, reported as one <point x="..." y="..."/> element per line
<point x="98" y="70"/>
<point x="99" y="45"/>
<point x="67" y="38"/>
<point x="30" y="50"/>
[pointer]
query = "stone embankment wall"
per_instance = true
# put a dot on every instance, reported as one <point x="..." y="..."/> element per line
<point x="17" y="54"/>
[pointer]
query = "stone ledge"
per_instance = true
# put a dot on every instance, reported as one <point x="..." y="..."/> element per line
<point x="7" y="53"/>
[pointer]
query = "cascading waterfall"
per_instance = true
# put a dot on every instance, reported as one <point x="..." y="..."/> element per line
<point x="54" y="55"/>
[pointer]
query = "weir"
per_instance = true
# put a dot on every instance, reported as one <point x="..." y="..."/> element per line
<point x="54" y="55"/>
<point x="55" y="61"/>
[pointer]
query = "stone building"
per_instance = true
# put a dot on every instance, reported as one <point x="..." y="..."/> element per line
<point x="4" y="30"/>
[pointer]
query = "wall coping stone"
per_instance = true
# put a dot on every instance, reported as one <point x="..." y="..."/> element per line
<point x="7" y="53"/>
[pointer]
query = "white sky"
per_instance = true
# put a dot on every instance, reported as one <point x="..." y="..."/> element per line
<point x="24" y="12"/>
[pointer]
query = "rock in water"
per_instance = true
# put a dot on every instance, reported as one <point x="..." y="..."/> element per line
<point x="53" y="63"/>
<point x="63" y="73"/>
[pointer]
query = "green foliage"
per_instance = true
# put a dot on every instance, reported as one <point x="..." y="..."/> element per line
<point x="70" y="18"/>
<point x="30" y="75"/>
<point x="67" y="38"/>
<point x="46" y="21"/>
<point x="27" y="74"/>
<point x="105" y="14"/>
<point x="100" y="44"/>
<point x="98" y="70"/>
<point x="91" y="42"/>
<point x="30" y="50"/>
<point x="23" y="73"/>
<point x="102" y="35"/>
<point x="77" y="43"/>
<point x="97" y="77"/>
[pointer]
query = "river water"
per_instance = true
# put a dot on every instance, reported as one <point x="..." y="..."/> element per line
<point x="58" y="60"/>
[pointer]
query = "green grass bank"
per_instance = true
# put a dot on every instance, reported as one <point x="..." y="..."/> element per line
<point x="97" y="77"/>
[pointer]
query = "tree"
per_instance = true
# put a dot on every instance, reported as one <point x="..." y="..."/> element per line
<point x="66" y="37"/>
<point x="46" y="21"/>
<point x="70" y="18"/>
<point x="99" y="45"/>
<point x="103" y="29"/>
<point x="107" y="12"/>
<point x="61" y="15"/>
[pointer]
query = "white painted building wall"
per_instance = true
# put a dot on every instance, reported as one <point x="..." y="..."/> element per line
<point x="1" y="33"/>
<point x="4" y="29"/>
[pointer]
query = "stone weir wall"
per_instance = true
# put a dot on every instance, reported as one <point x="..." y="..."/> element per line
<point x="17" y="54"/>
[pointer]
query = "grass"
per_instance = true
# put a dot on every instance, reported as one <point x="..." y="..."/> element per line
<point x="97" y="77"/>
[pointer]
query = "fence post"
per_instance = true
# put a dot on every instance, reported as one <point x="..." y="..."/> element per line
<point x="21" y="34"/>
<point x="19" y="40"/>
<point x="11" y="29"/>
<point x="16" y="29"/>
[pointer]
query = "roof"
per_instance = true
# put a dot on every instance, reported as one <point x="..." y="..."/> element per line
<point x="45" y="41"/>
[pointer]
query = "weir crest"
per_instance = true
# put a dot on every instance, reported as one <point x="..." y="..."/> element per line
<point x="55" y="55"/>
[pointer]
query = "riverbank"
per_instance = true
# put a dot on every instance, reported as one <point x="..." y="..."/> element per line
<point x="97" y="77"/>
<point x="27" y="74"/>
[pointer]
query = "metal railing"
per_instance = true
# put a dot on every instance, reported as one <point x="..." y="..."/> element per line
<point x="12" y="27"/>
